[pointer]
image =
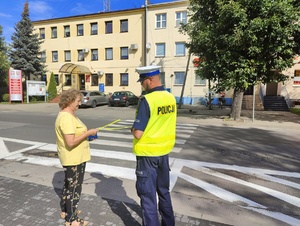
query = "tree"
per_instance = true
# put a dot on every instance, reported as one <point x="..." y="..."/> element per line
<point x="296" y="34"/>
<point x="25" y="53"/>
<point x="4" y="65"/>
<point x="243" y="42"/>
<point x="52" y="91"/>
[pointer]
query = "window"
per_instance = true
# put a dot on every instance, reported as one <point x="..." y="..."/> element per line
<point x="67" y="55"/>
<point x="94" y="28"/>
<point x="108" y="27"/>
<point x="53" y="32"/>
<point x="162" y="78"/>
<point x="124" y="53"/>
<point x="179" y="78"/>
<point x="67" y="31"/>
<point x="297" y="78"/>
<point x="79" y="29"/>
<point x="180" y="49"/>
<point x="124" y="79"/>
<point x="94" y="80"/>
<point x="160" y="50"/>
<point x="54" y="56"/>
<point x="56" y="79"/>
<point x="80" y="55"/>
<point x="161" y="20"/>
<point x="124" y="25"/>
<point x="94" y="54"/>
<point x="199" y="80"/>
<point x="181" y="18"/>
<point x="109" y="79"/>
<point x="108" y="54"/>
<point x="68" y="80"/>
<point x="42" y="33"/>
<point x="43" y="56"/>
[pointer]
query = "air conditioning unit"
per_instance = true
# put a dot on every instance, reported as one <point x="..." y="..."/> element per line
<point x="134" y="46"/>
<point x="86" y="50"/>
<point x="100" y="73"/>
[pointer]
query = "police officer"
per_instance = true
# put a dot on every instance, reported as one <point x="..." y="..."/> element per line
<point x="154" y="131"/>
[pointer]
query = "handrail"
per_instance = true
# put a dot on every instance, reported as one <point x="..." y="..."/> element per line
<point x="286" y="96"/>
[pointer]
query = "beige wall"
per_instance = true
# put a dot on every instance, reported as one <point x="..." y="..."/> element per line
<point x="293" y="91"/>
<point x="136" y="35"/>
<point x="100" y="42"/>
<point x="171" y="63"/>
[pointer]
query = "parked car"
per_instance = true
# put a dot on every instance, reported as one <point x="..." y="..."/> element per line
<point x="123" y="98"/>
<point x="93" y="98"/>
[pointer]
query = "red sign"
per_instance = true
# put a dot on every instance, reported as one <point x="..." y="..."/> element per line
<point x="15" y="85"/>
<point x="296" y="81"/>
<point x="197" y="61"/>
<point x="87" y="78"/>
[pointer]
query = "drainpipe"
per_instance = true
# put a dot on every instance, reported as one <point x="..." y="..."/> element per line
<point x="145" y="38"/>
<point x="184" y="81"/>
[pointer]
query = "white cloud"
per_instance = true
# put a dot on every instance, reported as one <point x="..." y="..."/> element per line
<point x="39" y="10"/>
<point x="80" y="9"/>
<point x="5" y="15"/>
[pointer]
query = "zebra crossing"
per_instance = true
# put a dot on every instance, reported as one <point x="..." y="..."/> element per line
<point x="115" y="144"/>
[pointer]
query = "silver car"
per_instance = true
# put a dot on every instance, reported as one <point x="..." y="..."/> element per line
<point x="93" y="98"/>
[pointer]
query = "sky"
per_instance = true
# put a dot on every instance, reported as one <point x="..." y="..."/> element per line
<point x="11" y="10"/>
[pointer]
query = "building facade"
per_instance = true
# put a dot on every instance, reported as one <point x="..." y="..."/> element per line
<point x="166" y="47"/>
<point x="92" y="52"/>
<point x="101" y="51"/>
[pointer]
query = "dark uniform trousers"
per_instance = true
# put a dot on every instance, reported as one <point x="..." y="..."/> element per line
<point x="153" y="177"/>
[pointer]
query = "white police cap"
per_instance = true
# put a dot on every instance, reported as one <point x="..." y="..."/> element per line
<point x="147" y="71"/>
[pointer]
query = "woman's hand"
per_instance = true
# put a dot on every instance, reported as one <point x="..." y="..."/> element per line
<point x="93" y="132"/>
<point x="72" y="140"/>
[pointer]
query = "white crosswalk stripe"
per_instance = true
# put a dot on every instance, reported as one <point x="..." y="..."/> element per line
<point x="117" y="144"/>
<point x="113" y="138"/>
<point x="121" y="130"/>
<point x="129" y="136"/>
<point x="4" y="151"/>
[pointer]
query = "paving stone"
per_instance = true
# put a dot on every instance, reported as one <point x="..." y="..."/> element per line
<point x="29" y="204"/>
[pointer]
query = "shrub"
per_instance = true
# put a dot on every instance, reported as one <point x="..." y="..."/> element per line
<point x="295" y="111"/>
<point x="52" y="91"/>
<point x="5" y="97"/>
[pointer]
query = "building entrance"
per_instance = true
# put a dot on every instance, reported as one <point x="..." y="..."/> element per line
<point x="81" y="82"/>
<point x="272" y="89"/>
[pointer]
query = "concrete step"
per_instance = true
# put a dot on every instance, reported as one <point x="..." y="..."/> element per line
<point x="275" y="103"/>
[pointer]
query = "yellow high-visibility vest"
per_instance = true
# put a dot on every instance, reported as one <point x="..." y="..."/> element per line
<point x="159" y="136"/>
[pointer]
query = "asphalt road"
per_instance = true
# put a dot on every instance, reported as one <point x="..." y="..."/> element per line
<point x="223" y="172"/>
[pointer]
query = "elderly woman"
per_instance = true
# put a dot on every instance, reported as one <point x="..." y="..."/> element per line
<point x="73" y="151"/>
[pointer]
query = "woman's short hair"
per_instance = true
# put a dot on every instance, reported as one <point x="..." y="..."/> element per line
<point x="68" y="97"/>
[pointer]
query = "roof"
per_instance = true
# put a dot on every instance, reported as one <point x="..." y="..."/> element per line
<point x="70" y="68"/>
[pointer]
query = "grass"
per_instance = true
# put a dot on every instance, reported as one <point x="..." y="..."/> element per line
<point x="295" y="111"/>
